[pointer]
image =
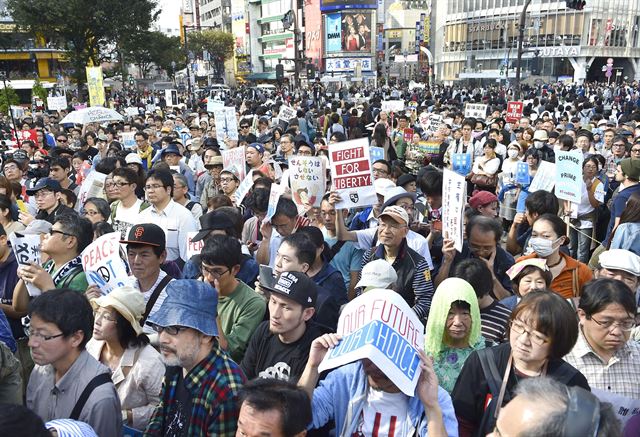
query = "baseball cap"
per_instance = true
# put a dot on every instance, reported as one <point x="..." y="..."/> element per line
<point x="211" y="221"/>
<point x="620" y="259"/>
<point x="133" y="158"/>
<point x="43" y="183"/>
<point x="296" y="286"/>
<point x="482" y="198"/>
<point x="148" y="234"/>
<point x="377" y="274"/>
<point x="232" y="171"/>
<point x="397" y="213"/>
<point x="171" y="148"/>
<point x="382" y="185"/>
<point x="37" y="227"/>
<point x="259" y="147"/>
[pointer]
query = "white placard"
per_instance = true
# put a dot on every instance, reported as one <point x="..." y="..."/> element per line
<point x="380" y="326"/>
<point x="624" y="408"/>
<point x="92" y="186"/>
<point x="545" y="177"/>
<point x="132" y="111"/>
<point x="57" y="103"/>
<point x="308" y="180"/>
<point x="26" y="249"/>
<point x="193" y="247"/>
<point x="393" y="105"/>
<point x="569" y="181"/>
<point x="103" y="265"/>
<point x="351" y="174"/>
<point x="244" y="188"/>
<point x="286" y="113"/>
<point x="475" y="110"/>
<point x="226" y="124"/>
<point x="235" y="158"/>
<point x="274" y="196"/>
<point x="454" y="197"/>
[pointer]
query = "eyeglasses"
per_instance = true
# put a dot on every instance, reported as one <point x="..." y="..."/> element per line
<point x="55" y="231"/>
<point x="40" y="336"/>
<point x="89" y="212"/>
<point x="212" y="272"/>
<point x="619" y="145"/>
<point x="104" y="316"/>
<point x="535" y="337"/>
<point x="625" y="325"/>
<point x="380" y="171"/>
<point x="61" y="140"/>
<point x="117" y="184"/>
<point x="226" y="180"/>
<point x="244" y="127"/>
<point x="171" y="330"/>
<point x="635" y="150"/>
<point x="152" y="187"/>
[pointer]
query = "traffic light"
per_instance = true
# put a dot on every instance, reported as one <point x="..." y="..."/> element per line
<point x="578" y="5"/>
<point x="280" y="73"/>
<point x="311" y="71"/>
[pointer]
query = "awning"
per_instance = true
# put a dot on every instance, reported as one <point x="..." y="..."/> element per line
<point x="270" y="75"/>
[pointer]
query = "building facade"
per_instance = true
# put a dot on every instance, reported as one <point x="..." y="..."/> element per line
<point x="215" y="14"/>
<point x="477" y="39"/>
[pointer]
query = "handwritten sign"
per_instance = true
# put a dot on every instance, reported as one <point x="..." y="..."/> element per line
<point x="128" y="140"/>
<point x="454" y="197"/>
<point x="103" y="264"/>
<point x="307" y="176"/>
<point x="514" y="111"/>
<point x="475" y="110"/>
<point x="569" y="175"/>
<point x="26" y="249"/>
<point x="193" y="247"/>
<point x="244" y="188"/>
<point x="57" y="103"/>
<point x="287" y="113"/>
<point x="380" y="326"/>
<point x="393" y="105"/>
<point x="131" y="111"/>
<point x="376" y="153"/>
<point x="235" y="158"/>
<point x="351" y="173"/>
<point x="92" y="186"/>
<point x="545" y="177"/>
<point x="461" y="163"/>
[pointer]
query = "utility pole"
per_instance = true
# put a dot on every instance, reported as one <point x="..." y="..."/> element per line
<point x="521" y="25"/>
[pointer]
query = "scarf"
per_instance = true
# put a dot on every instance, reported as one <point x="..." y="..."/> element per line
<point x="449" y="291"/>
<point x="146" y="156"/>
<point x="62" y="273"/>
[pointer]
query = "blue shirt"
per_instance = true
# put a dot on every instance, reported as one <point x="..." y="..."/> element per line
<point x="618" y="204"/>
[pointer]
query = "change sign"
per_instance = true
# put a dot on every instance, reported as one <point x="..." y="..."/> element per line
<point x="103" y="264"/>
<point x="569" y="175"/>
<point x="351" y="173"/>
<point x="514" y="111"/>
<point x="380" y="326"/>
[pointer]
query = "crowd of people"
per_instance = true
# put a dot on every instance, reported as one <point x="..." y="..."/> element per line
<point x="530" y="328"/>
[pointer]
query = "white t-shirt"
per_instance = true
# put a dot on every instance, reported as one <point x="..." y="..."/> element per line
<point x="126" y="217"/>
<point x="385" y="415"/>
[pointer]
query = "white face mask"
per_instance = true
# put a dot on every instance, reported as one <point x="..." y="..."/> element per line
<point x="512" y="153"/>
<point x="541" y="246"/>
<point x="538" y="144"/>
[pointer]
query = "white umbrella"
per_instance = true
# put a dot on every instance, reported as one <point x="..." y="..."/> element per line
<point x="93" y="114"/>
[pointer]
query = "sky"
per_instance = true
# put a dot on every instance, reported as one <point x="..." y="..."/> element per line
<point x="169" y="15"/>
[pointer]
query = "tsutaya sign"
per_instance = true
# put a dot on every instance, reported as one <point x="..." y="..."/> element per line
<point x="557" y="52"/>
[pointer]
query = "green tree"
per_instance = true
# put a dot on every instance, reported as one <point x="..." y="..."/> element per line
<point x="85" y="29"/>
<point x="39" y="91"/>
<point x="149" y="48"/>
<point x="220" y="46"/>
<point x="8" y="97"/>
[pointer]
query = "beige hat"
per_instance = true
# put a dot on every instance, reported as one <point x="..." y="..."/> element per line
<point x="397" y="213"/>
<point x="377" y="274"/>
<point x="128" y="301"/>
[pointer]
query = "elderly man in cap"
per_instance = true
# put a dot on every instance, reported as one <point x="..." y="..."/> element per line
<point x="200" y="389"/>
<point x="47" y="195"/>
<point x="208" y="184"/>
<point x="172" y="156"/>
<point x="280" y="346"/>
<point x="628" y="175"/>
<point x="254" y="154"/>
<point x="540" y="138"/>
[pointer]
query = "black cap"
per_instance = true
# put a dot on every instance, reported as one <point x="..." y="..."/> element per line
<point x="296" y="286"/>
<point x="43" y="183"/>
<point x="212" y="221"/>
<point x="147" y="234"/>
<point x="405" y="179"/>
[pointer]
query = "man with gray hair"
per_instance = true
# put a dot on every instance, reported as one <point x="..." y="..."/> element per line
<point x="181" y="195"/>
<point x="545" y="407"/>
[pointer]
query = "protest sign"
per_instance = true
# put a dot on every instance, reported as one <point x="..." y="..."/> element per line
<point x="522" y="175"/>
<point x="435" y="121"/>
<point x="514" y="111"/>
<point x="92" y="186"/>
<point x="393" y="105"/>
<point x="17" y="111"/>
<point x="274" y="196"/>
<point x="308" y="179"/>
<point x="569" y="175"/>
<point x="623" y="407"/>
<point x="131" y="111"/>
<point x="213" y="105"/>
<point x="545" y="177"/>
<point x="193" y="247"/>
<point x="235" y="157"/>
<point x="461" y="163"/>
<point x="95" y="86"/>
<point x="351" y="173"/>
<point x="25" y="135"/>
<point x="286" y="113"/>
<point x="454" y="197"/>
<point x="475" y="110"/>
<point x="103" y="265"/>
<point x="226" y="124"/>
<point x="171" y="97"/>
<point x="244" y="188"/>
<point x="128" y="140"/>
<point x="407" y="135"/>
<point x="380" y="326"/>
<point x="376" y="153"/>
<point x="429" y="148"/>
<point x="57" y="103"/>
<point x="26" y="249"/>
<point x="423" y="119"/>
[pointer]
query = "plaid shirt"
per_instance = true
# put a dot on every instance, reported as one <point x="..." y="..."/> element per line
<point x="619" y="375"/>
<point x="214" y="384"/>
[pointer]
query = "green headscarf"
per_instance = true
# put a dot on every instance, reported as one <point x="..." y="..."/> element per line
<point x="450" y="290"/>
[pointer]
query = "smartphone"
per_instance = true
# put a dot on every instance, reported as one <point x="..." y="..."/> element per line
<point x="266" y="277"/>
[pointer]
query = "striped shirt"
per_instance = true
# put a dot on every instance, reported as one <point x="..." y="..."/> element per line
<point x="213" y="385"/>
<point x="494" y="322"/>
<point x="619" y="375"/>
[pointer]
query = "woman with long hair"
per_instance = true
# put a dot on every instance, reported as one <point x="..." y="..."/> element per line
<point x="627" y="234"/>
<point x="381" y="139"/>
<point x="6" y="217"/>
